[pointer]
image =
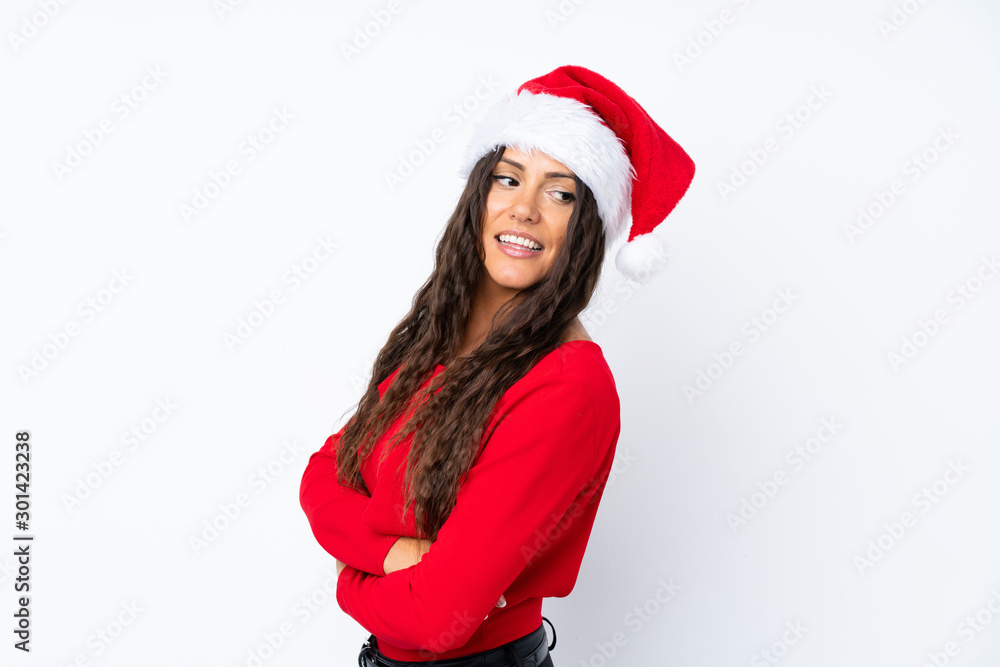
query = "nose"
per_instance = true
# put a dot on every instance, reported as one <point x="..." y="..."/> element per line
<point x="524" y="208"/>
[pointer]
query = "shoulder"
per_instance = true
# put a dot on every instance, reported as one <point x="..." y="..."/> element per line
<point x="582" y="362"/>
<point x="567" y="402"/>
<point x="577" y="370"/>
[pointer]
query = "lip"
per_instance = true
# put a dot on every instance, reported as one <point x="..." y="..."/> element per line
<point x="518" y="253"/>
<point x="517" y="232"/>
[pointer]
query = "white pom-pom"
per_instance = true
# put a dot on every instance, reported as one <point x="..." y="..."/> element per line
<point x="641" y="258"/>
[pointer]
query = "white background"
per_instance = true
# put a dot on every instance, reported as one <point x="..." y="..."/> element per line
<point x="685" y="462"/>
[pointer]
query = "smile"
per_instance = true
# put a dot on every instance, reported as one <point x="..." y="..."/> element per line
<point x="509" y="246"/>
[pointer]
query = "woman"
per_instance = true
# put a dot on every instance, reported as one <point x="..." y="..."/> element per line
<point x="464" y="488"/>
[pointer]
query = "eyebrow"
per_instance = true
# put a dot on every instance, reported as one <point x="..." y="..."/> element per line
<point x="550" y="174"/>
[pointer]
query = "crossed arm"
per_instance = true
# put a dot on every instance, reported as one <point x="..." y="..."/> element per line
<point x="406" y="552"/>
<point x="519" y="492"/>
<point x="343" y="519"/>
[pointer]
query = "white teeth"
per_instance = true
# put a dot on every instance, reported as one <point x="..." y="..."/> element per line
<point x="509" y="238"/>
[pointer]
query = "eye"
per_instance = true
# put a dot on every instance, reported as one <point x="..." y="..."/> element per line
<point x="564" y="197"/>
<point x="499" y="178"/>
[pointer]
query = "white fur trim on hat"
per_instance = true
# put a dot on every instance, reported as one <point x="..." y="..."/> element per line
<point x="568" y="131"/>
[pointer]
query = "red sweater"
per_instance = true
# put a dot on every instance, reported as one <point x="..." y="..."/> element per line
<point x="519" y="527"/>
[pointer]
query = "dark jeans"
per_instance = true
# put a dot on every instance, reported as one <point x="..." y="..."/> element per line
<point x="494" y="657"/>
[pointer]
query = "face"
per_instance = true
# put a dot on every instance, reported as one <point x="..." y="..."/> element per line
<point x="530" y="200"/>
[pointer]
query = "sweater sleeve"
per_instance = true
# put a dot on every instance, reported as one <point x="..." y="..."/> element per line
<point x="537" y="460"/>
<point x="335" y="514"/>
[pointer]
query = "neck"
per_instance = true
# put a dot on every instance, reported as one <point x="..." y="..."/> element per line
<point x="485" y="306"/>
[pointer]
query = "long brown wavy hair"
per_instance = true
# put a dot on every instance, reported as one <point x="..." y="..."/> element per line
<point x="449" y="424"/>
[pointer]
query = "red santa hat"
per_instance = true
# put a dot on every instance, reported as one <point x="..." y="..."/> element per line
<point x="588" y="123"/>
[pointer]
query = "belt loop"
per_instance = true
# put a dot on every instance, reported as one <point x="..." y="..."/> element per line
<point x="553" y="645"/>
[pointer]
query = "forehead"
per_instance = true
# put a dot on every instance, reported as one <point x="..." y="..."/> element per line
<point x="535" y="160"/>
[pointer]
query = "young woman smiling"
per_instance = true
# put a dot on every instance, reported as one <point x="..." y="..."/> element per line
<point x="463" y="490"/>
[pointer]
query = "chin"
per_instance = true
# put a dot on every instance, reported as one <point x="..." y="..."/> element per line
<point x="513" y="280"/>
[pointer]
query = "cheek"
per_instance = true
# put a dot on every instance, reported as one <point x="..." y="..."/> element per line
<point x="557" y="249"/>
<point x="494" y="205"/>
<point x="563" y="232"/>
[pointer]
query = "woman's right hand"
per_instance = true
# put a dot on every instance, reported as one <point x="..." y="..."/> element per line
<point x="405" y="552"/>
